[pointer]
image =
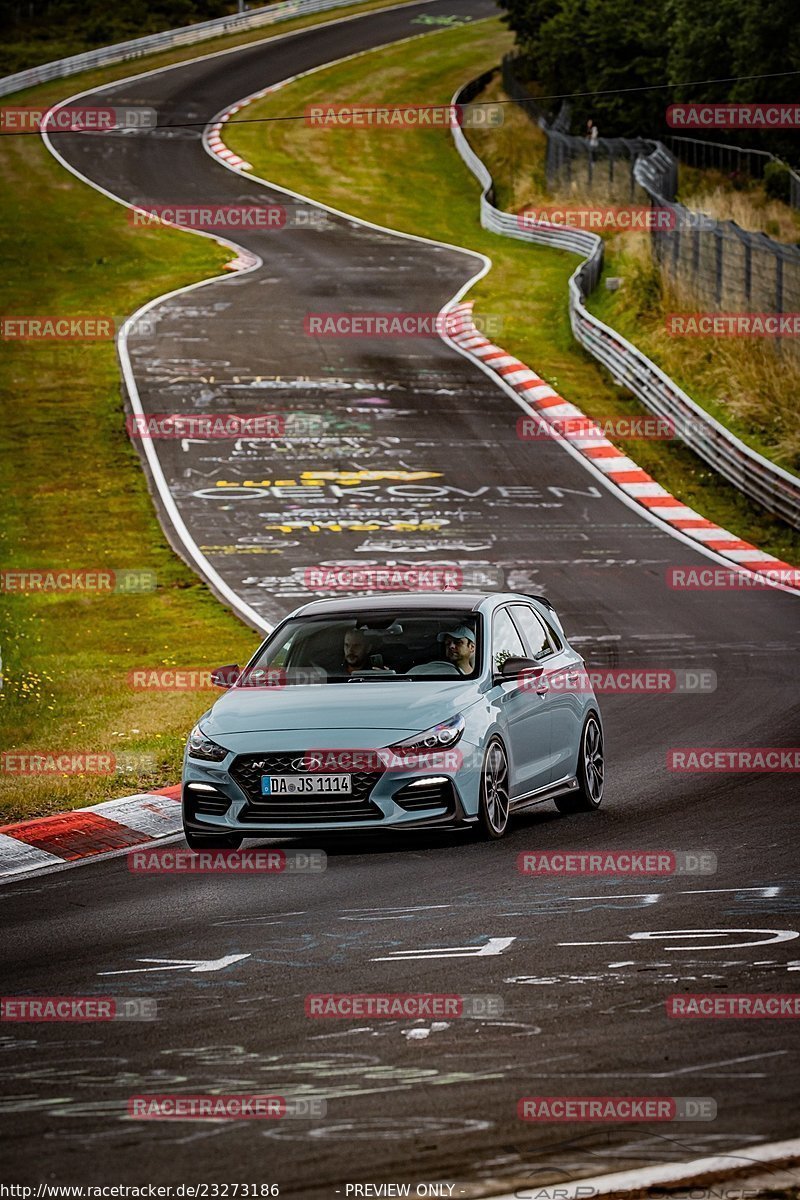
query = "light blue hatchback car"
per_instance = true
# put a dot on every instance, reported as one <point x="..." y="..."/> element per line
<point x="403" y="712"/>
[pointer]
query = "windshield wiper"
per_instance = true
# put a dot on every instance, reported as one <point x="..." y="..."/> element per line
<point x="378" y="677"/>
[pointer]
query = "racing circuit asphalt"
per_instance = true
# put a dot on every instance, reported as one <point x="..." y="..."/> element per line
<point x="410" y="1101"/>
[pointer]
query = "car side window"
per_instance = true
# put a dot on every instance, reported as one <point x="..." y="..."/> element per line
<point x="533" y="630"/>
<point x="506" y="642"/>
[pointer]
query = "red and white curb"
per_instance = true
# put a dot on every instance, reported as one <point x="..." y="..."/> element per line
<point x="218" y="147"/>
<point x="618" y="467"/>
<point x="214" y="144"/>
<point x="87" y="832"/>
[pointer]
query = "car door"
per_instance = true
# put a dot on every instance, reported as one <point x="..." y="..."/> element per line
<point x="563" y="675"/>
<point x="523" y="708"/>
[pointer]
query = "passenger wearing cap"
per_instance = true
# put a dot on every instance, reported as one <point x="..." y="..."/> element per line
<point x="459" y="648"/>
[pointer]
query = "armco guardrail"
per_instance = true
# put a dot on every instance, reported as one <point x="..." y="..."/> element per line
<point x="761" y="480"/>
<point x="106" y="55"/>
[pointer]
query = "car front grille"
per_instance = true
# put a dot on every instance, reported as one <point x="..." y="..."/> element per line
<point x="247" y="770"/>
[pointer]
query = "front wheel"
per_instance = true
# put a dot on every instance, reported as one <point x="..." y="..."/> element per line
<point x="493" y="807"/>
<point x="591" y="772"/>
<point x="212" y="841"/>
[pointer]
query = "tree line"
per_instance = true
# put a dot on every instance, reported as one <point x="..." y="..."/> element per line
<point x="666" y="49"/>
<point x="36" y="31"/>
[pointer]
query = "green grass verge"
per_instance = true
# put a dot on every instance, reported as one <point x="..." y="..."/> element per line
<point x="744" y="383"/>
<point x="73" y="494"/>
<point x="414" y="181"/>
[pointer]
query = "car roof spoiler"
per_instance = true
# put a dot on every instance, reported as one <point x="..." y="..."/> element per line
<point x="548" y="604"/>
<point x="542" y="599"/>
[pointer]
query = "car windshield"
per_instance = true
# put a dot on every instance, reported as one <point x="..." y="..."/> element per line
<point x="369" y="647"/>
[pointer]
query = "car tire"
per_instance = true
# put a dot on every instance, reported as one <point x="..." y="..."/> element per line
<point x="212" y="841"/>
<point x="493" y="806"/>
<point x="591" y="771"/>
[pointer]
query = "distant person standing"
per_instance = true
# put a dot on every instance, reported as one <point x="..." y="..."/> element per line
<point x="593" y="138"/>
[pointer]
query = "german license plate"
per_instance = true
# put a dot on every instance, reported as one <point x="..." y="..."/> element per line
<point x="306" y="785"/>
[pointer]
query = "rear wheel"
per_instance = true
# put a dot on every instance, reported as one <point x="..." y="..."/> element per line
<point x="212" y="841"/>
<point x="591" y="772"/>
<point x="493" y="808"/>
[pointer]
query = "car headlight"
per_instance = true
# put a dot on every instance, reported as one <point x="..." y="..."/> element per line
<point x="201" y="746"/>
<point x="438" y="737"/>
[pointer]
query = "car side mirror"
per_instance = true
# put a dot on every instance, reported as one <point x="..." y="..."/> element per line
<point x="226" y="677"/>
<point x="512" y="668"/>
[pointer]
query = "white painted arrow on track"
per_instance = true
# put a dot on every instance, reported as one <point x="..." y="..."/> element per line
<point x="493" y="946"/>
<point x="197" y="966"/>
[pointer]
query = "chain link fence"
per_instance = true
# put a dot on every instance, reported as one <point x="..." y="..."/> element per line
<point x="777" y="490"/>
<point x="714" y="264"/>
<point x="733" y="161"/>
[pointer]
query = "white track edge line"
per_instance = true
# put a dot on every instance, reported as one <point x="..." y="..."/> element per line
<point x="639" y="1180"/>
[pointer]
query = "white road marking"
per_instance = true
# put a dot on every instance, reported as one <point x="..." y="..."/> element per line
<point x="767" y="892"/>
<point x="418" y="1034"/>
<point x="197" y="966"/>
<point x="776" y="935"/>
<point x="493" y="946"/>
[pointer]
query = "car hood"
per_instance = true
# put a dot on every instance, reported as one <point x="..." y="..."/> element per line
<point x="392" y="709"/>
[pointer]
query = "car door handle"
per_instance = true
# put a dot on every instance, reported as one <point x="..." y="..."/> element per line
<point x="573" y="676"/>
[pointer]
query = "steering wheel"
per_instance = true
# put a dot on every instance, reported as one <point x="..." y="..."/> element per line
<point x="440" y="667"/>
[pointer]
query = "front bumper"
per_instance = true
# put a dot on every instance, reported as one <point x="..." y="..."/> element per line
<point x="224" y="798"/>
